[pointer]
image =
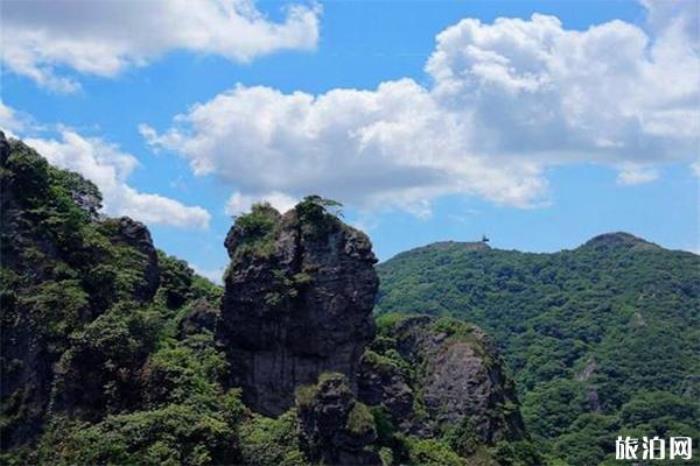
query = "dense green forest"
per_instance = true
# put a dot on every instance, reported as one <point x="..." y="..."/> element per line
<point x="602" y="340"/>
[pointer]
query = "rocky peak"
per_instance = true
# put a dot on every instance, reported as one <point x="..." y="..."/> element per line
<point x="134" y="234"/>
<point x="298" y="300"/>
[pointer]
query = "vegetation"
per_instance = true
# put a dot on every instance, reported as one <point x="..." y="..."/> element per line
<point x="101" y="361"/>
<point x="360" y="419"/>
<point x="256" y="230"/>
<point x="271" y="442"/>
<point x="90" y="329"/>
<point x="178" y="282"/>
<point x="430" y="452"/>
<point x="173" y="435"/>
<point x="313" y="208"/>
<point x="589" y="334"/>
<point x="317" y="215"/>
<point x="108" y="355"/>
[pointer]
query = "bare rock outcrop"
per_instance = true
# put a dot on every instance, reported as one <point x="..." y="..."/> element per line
<point x="435" y="374"/>
<point x="298" y="300"/>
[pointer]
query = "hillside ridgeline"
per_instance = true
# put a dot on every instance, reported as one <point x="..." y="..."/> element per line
<point x="602" y="340"/>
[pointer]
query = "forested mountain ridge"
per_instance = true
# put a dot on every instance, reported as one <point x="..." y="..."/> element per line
<point x="602" y="339"/>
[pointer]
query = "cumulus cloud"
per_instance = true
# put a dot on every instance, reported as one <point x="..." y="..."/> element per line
<point x="603" y="94"/>
<point x="105" y="37"/>
<point x="391" y="146"/>
<point x="507" y="101"/>
<point x="108" y="167"/>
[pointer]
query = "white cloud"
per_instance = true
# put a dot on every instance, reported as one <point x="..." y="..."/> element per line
<point x="631" y="174"/>
<point x="105" y="37"/>
<point x="533" y="87"/>
<point x="239" y="203"/>
<point x="508" y="100"/>
<point x="106" y="166"/>
<point x="393" y="146"/>
<point x="10" y="121"/>
<point x="109" y="168"/>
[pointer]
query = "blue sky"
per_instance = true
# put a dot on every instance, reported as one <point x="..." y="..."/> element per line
<point x="554" y="132"/>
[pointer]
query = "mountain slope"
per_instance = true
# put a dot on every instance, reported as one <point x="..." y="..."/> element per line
<point x="90" y="367"/>
<point x="601" y="339"/>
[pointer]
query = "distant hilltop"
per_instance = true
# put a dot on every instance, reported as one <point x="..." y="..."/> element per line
<point x="617" y="240"/>
<point x="602" y="242"/>
<point x="466" y="245"/>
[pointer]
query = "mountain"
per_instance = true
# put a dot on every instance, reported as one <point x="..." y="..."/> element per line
<point x="602" y="340"/>
<point x="113" y="352"/>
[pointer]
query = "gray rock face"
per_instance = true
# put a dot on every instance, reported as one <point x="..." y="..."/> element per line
<point x="85" y="194"/>
<point x="384" y="384"/>
<point x="462" y="379"/>
<point x="429" y="375"/>
<point x="298" y="301"/>
<point x="459" y="384"/>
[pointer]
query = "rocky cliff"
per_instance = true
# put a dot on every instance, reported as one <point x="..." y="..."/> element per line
<point x="298" y="300"/>
<point x="441" y="378"/>
<point x="296" y="320"/>
<point x="61" y="270"/>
